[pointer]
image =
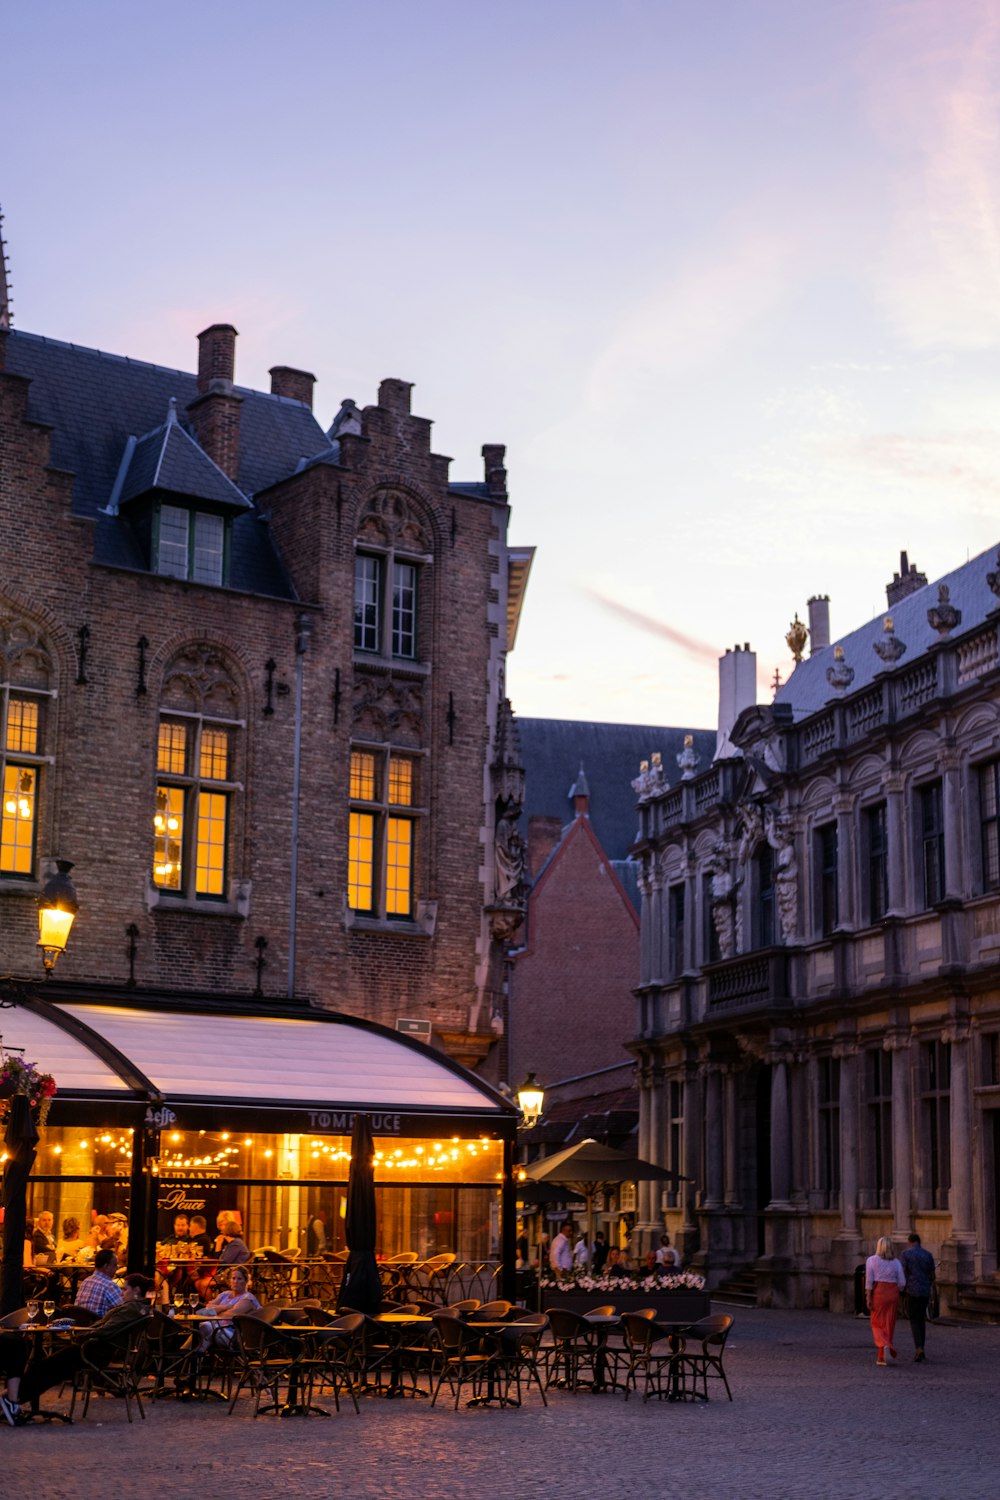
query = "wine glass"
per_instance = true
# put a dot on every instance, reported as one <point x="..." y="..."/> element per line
<point x="193" y="1300"/>
<point x="48" y="1308"/>
<point x="32" y="1309"/>
<point x="178" y="1301"/>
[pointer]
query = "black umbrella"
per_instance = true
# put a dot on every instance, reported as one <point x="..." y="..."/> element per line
<point x="589" y="1166"/>
<point x="20" y="1139"/>
<point x="361" y="1290"/>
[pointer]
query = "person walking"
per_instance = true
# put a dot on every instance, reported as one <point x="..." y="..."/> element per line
<point x="561" y="1254"/>
<point x="918" y="1268"/>
<point x="884" y="1280"/>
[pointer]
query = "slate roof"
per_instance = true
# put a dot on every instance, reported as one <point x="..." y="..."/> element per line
<point x="170" y="459"/>
<point x="553" y="751"/>
<point x="807" y="689"/>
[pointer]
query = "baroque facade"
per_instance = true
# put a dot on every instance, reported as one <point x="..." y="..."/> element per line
<point x="818" y="1036"/>
<point x="252" y="686"/>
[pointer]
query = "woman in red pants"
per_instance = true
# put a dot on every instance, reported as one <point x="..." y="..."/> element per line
<point x="884" y="1280"/>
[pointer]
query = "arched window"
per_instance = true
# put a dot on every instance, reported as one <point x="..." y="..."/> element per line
<point x="197" y="758"/>
<point x="26" y="673"/>
<point x="391" y="561"/>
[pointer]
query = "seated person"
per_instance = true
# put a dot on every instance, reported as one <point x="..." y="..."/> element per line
<point x="42" y="1374"/>
<point x="43" y="1245"/>
<point x="239" y="1299"/>
<point x="234" y="1250"/>
<point x="667" y="1256"/>
<point x="182" y="1230"/>
<point x="116" y="1238"/>
<point x="71" y="1244"/>
<point x="198" y="1233"/>
<point x="90" y="1246"/>
<point x="14" y="1351"/>
<point x="615" y="1265"/>
<point x="99" y="1293"/>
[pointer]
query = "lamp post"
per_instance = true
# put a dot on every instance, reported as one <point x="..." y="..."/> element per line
<point x="57" y="908"/>
<point x="531" y="1101"/>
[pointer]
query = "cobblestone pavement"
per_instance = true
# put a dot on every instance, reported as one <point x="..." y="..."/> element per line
<point x="812" y="1416"/>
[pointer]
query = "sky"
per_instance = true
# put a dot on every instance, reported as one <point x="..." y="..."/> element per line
<point x="724" y="275"/>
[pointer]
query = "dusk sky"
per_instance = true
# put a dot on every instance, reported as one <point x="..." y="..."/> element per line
<point x="724" y="277"/>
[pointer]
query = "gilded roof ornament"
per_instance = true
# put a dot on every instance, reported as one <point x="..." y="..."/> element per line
<point x="798" y="635"/>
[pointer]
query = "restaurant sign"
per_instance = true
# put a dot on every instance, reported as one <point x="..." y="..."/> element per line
<point x="341" y="1122"/>
<point x="179" y="1200"/>
<point x="158" y="1119"/>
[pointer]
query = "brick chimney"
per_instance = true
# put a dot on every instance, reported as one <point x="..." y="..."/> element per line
<point x="496" y="474"/>
<point x="737" y="691"/>
<point x="215" y="411"/>
<point x="906" y="581"/>
<point x="543" y="835"/>
<point x="297" y="385"/>
<point x="819" y="622"/>
<point x="394" y="395"/>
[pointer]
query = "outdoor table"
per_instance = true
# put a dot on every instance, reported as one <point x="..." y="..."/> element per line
<point x="604" y="1324"/>
<point x="397" y="1323"/>
<point x="42" y="1334"/>
<point x="673" y="1332"/>
<point x="192" y="1321"/>
<point x="491" y="1328"/>
<point x="304" y="1335"/>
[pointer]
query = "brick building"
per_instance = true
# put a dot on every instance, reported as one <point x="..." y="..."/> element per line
<point x="252" y="686"/>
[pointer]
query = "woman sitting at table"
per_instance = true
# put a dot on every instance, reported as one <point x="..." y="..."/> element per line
<point x="615" y="1265"/>
<point x="218" y="1325"/>
<point x="71" y="1244"/>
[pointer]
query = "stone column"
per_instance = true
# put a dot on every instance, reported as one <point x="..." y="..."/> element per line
<point x="734" y="1196"/>
<point x="843" y="806"/>
<point x="960" y="1196"/>
<point x="692" y="1141"/>
<point x="645" y="1114"/>
<point x="897" y="1042"/>
<point x="690" y="917"/>
<point x="897" y="845"/>
<point x="952" y="798"/>
<point x="781" y="1157"/>
<point x="713" y="1137"/>
<point x="848" y="1055"/>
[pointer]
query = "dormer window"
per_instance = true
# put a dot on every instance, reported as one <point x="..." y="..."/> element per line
<point x="190" y="544"/>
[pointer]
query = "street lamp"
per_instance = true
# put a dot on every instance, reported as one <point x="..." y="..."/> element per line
<point x="531" y="1098"/>
<point x="57" y="907"/>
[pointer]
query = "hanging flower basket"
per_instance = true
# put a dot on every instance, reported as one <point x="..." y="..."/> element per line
<point x="17" y="1077"/>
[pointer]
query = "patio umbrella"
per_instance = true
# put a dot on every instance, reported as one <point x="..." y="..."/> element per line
<point x="361" y="1290"/>
<point x="588" y="1167"/>
<point x="20" y="1139"/>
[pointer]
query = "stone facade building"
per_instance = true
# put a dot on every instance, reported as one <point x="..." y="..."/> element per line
<point x="252" y="686"/>
<point x="818" y="1031"/>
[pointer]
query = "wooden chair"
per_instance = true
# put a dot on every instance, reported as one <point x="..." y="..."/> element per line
<point x="574" y="1347"/>
<point x="651" y="1352"/>
<point x="696" y="1366"/>
<point x="110" y="1364"/>
<point x="463" y="1359"/>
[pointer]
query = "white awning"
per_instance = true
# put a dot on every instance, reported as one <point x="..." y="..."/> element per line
<point x="280" y="1059"/>
<point x="72" y="1063"/>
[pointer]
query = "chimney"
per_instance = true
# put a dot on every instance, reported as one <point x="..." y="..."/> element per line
<point x="496" y="474"/>
<point x="543" y="836"/>
<point x="394" y="395"/>
<point x="580" y="793"/>
<point x="737" y="691"/>
<point x="296" y="385"/>
<point x="819" y="622"/>
<point x="905" y="582"/>
<point x="215" y="411"/>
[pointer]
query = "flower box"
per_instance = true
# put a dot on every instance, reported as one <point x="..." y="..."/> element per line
<point x="685" y="1305"/>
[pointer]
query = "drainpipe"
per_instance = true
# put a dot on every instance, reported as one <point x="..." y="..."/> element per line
<point x="303" y="630"/>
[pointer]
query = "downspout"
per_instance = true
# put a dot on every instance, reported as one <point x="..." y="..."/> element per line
<point x="303" y="630"/>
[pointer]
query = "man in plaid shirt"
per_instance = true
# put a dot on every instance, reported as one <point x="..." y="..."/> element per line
<point x="99" y="1293"/>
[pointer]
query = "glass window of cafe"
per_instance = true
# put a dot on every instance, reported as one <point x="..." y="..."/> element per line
<point x="286" y="1191"/>
<point x="81" y="1177"/>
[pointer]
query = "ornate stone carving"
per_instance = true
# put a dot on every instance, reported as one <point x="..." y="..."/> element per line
<point x="650" y="779"/>
<point x="890" y="648"/>
<point x="955" y="1031"/>
<point x="508" y="764"/>
<point x="199" y="679"/>
<point x="720" y="865"/>
<point x="390" y="519"/>
<point x="781" y="837"/>
<point x="387" y="709"/>
<point x="508" y="856"/>
<point x="688" y="759"/>
<point x="798" y="635"/>
<point x="840" y="675"/>
<point x="943" y="617"/>
<point x="24" y="657"/>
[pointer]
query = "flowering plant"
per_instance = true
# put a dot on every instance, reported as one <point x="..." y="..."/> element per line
<point x="580" y="1280"/>
<point x="17" y="1077"/>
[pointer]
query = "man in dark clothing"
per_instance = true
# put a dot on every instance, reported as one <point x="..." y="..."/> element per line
<point x="600" y="1253"/>
<point x="42" y="1374"/>
<point x="918" y="1267"/>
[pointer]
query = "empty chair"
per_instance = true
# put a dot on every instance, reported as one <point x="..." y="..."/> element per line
<point x="696" y="1365"/>
<point x="467" y="1305"/>
<point x="652" y="1352"/>
<point x="490" y="1311"/>
<point x="520" y="1353"/>
<point x="574" y="1347"/>
<point x="463" y="1358"/>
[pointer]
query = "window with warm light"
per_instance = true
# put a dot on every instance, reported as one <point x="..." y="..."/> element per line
<point x="21" y="760"/>
<point x="381" y="832"/>
<point x="194" y="790"/>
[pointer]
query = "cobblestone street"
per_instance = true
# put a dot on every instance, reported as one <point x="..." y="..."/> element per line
<point x="811" y="1416"/>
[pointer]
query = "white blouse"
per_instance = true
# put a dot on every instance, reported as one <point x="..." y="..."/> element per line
<point x="877" y="1269"/>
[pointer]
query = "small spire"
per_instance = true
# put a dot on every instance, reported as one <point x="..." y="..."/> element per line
<point x="580" y="792"/>
<point x="171" y="411"/>
<point x="6" y="307"/>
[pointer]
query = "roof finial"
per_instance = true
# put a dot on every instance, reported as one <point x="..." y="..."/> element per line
<point x="6" y="306"/>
